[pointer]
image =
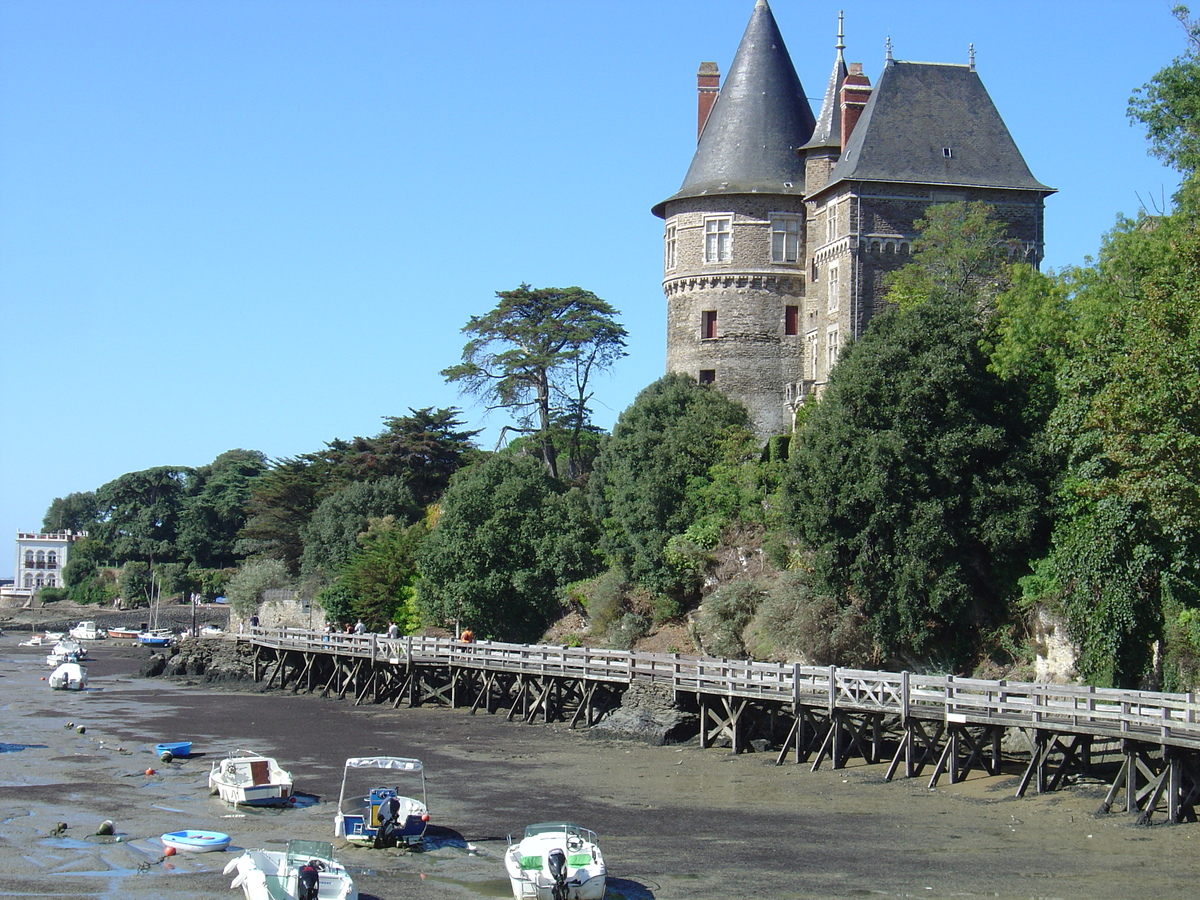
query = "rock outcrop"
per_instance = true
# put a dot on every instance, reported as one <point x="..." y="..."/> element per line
<point x="650" y="714"/>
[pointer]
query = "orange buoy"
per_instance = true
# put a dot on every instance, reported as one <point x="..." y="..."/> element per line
<point x="425" y="818"/>
<point x="170" y="851"/>
<point x="150" y="772"/>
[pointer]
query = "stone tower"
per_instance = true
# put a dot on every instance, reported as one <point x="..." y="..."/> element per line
<point x="777" y="245"/>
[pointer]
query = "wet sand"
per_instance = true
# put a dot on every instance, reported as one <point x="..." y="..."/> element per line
<point x="674" y="822"/>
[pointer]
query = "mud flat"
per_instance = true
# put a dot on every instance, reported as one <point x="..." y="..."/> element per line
<point x="674" y="822"/>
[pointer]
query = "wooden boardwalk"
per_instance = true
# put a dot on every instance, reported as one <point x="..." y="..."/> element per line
<point x="1150" y="742"/>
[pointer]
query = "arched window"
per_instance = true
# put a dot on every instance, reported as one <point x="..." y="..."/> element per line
<point x="52" y="560"/>
<point x="41" y="579"/>
<point x="28" y="580"/>
<point x="29" y="559"/>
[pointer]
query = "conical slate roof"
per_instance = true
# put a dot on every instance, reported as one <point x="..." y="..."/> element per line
<point x="828" y="131"/>
<point x="760" y="119"/>
<point x="933" y="123"/>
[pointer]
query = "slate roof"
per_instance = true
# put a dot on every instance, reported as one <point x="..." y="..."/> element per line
<point x="828" y="130"/>
<point x="918" y="109"/>
<point x="760" y="119"/>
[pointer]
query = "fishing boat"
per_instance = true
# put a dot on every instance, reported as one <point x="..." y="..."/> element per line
<point x="86" y="631"/>
<point x="384" y="817"/>
<point x="123" y="633"/>
<point x="158" y="638"/>
<point x="305" y="871"/>
<point x="556" y="861"/>
<point x="64" y="652"/>
<point x="246" y="778"/>
<point x="68" y="677"/>
<point x="191" y="841"/>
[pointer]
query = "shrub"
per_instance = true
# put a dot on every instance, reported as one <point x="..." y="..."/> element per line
<point x="724" y="615"/>
<point x="628" y="630"/>
<point x="795" y="622"/>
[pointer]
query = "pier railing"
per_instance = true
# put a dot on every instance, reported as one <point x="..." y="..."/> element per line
<point x="1160" y="718"/>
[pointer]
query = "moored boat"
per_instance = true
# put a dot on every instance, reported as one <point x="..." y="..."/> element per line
<point x="66" y="651"/>
<point x="174" y="748"/>
<point x="194" y="841"/>
<point x="86" y="631"/>
<point x="68" y="677"/>
<point x="556" y="861"/>
<point x="123" y="633"/>
<point x="246" y="778"/>
<point x="157" y="638"/>
<point x="305" y="871"/>
<point x="385" y="817"/>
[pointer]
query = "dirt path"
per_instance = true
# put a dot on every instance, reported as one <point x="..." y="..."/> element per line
<point x="674" y="822"/>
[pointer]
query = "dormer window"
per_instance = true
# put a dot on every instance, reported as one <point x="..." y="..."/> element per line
<point x="718" y="239"/>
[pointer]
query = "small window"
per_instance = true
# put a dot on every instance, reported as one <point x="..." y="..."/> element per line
<point x="669" y="247"/>
<point x="832" y="346"/>
<point x="791" y="320"/>
<point x="811" y="340"/>
<point x="830" y="224"/>
<point x="708" y="376"/>
<point x="708" y="324"/>
<point x="785" y="239"/>
<point x="948" y="153"/>
<point x="718" y="239"/>
<point x="835" y="284"/>
<point x="815" y="272"/>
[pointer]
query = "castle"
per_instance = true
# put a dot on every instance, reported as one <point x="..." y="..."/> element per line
<point x="777" y="245"/>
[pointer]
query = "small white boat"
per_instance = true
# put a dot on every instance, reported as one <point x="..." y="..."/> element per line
<point x="86" y="631"/>
<point x="246" y="778"/>
<point x="156" y="638"/>
<point x="305" y="871"/>
<point x="193" y="841"/>
<point x="210" y="631"/>
<point x="385" y="817"/>
<point x="66" y="651"/>
<point x="124" y="633"/>
<point x="42" y="640"/>
<point x="556" y="861"/>
<point x="68" y="677"/>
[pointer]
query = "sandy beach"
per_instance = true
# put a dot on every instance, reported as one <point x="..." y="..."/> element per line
<point x="674" y="822"/>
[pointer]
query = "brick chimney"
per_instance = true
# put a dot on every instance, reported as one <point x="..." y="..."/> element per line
<point x="708" y="82"/>
<point x="856" y="91"/>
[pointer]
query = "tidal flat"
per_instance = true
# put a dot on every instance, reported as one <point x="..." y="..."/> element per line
<point x="674" y="821"/>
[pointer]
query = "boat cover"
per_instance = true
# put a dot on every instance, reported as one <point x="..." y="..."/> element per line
<point x="384" y="762"/>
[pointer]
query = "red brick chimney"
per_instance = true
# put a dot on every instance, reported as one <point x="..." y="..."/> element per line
<point x="708" y="82"/>
<point x="856" y="91"/>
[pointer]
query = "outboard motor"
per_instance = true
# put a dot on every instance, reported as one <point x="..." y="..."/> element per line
<point x="389" y="819"/>
<point x="556" y="860"/>
<point x="308" y="880"/>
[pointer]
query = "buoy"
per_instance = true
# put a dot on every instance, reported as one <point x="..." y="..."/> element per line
<point x="166" y="756"/>
<point x="106" y="827"/>
<point x="80" y="729"/>
<point x="150" y="772"/>
<point x="43" y="678"/>
<point x="425" y="818"/>
<point x="69" y="725"/>
<point x="170" y="851"/>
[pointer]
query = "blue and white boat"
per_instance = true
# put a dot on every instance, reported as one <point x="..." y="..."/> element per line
<point x="175" y="748"/>
<point x="384" y="817"/>
<point x="192" y="841"/>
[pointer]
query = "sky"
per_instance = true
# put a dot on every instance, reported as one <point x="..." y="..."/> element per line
<point x="262" y="224"/>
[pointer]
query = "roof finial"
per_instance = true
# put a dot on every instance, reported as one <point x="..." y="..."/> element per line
<point x="888" y="56"/>
<point x="841" y="44"/>
<point x="971" y="57"/>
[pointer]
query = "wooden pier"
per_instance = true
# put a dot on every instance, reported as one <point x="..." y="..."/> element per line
<point x="937" y="724"/>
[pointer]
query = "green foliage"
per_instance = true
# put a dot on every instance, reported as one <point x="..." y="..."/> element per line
<point x="535" y="355"/>
<point x="741" y="484"/>
<point x="214" y="510"/>
<point x="139" y="514"/>
<point x="651" y="473"/>
<point x="1169" y="104"/>
<point x="245" y="588"/>
<point x="74" y="512"/>
<point x="331" y="535"/>
<point x="509" y="539"/>
<point x="136" y="584"/>
<point x="52" y="594"/>
<point x="382" y="575"/>
<point x="724" y="616"/>
<point x="337" y="602"/>
<point x="919" y="482"/>
<point x="798" y="620"/>
<point x="962" y="253"/>
<point x="602" y="596"/>
<point x="281" y="503"/>
<point x="628" y="630"/>
<point x="92" y="585"/>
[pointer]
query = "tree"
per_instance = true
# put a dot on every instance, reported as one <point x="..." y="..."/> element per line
<point x="918" y="482"/>
<point x="508" y="540"/>
<point x="647" y="483"/>
<point x="535" y="355"/>
<point x="382" y="575"/>
<point x="281" y="503"/>
<point x="215" y="509"/>
<point x="138" y="514"/>
<point x="331" y="535"/>
<point x="74" y="512"/>
<point x="1169" y="104"/>
<point x="245" y="589"/>
<point x="426" y="448"/>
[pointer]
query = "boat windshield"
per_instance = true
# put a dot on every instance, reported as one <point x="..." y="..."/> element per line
<point x="559" y="828"/>
<point x="303" y="851"/>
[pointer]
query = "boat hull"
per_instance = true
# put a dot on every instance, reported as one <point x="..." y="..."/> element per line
<point x="68" y="677"/>
<point x="274" y="875"/>
<point x="248" y="779"/>
<point x="530" y="871"/>
<point x="175" y="748"/>
<point x="195" y="841"/>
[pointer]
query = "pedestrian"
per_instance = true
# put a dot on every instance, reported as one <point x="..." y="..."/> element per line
<point x="467" y="636"/>
<point x="393" y="630"/>
<point x="254" y="621"/>
<point x="360" y="628"/>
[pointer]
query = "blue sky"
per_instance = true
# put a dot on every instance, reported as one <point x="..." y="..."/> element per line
<point x="263" y="223"/>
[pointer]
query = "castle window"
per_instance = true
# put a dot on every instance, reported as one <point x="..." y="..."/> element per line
<point x="708" y="324"/>
<point x="708" y="376"/>
<point x="718" y="237"/>
<point x="830" y="224"/>
<point x="832" y="347"/>
<point x="791" y="320"/>
<point x="947" y="152"/>
<point x="815" y="272"/>
<point x="785" y="239"/>
<point x="669" y="248"/>
<point x="811" y="339"/>
<point x="835" y="284"/>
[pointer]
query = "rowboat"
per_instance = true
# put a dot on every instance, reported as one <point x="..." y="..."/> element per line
<point x="123" y="633"/>
<point x="190" y="841"/>
<point x="175" y="748"/>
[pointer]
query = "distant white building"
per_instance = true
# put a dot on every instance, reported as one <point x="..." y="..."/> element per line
<point x="40" y="561"/>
